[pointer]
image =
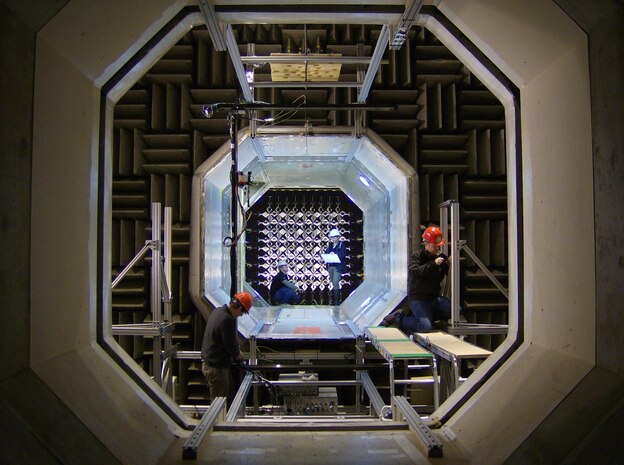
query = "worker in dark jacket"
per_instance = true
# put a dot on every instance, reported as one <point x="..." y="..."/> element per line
<point x="427" y="269"/>
<point x="220" y="345"/>
<point x="283" y="290"/>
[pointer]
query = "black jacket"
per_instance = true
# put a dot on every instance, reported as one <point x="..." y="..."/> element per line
<point x="277" y="283"/>
<point x="425" y="276"/>
<point x="220" y="343"/>
<point x="339" y="249"/>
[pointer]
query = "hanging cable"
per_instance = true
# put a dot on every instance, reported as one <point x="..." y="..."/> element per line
<point x="273" y="391"/>
<point x="228" y="241"/>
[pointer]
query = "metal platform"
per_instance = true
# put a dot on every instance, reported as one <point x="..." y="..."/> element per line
<point x="304" y="322"/>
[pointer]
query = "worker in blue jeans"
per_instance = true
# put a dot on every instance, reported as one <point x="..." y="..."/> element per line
<point x="335" y="270"/>
<point x="427" y="269"/>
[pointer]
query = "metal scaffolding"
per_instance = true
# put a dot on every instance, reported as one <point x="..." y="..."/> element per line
<point x="161" y="326"/>
<point x="452" y="248"/>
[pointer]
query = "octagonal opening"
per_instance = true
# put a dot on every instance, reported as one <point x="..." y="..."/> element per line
<point x="364" y="170"/>
<point x="294" y="159"/>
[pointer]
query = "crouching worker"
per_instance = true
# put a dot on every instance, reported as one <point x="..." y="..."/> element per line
<point x="427" y="269"/>
<point x="283" y="290"/>
<point x="220" y="345"/>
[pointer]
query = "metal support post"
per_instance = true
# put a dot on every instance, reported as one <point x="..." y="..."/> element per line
<point x="215" y="413"/>
<point x="360" y="348"/>
<point x="452" y="249"/>
<point x="408" y="18"/>
<point x="391" y="367"/>
<point x="156" y="289"/>
<point x="434" y="447"/>
<point x="142" y="329"/>
<point x="436" y="383"/>
<point x="167" y="383"/>
<point x="371" y="72"/>
<point x="253" y="356"/>
<point x="213" y="26"/>
<point x="233" y="119"/>
<point x="357" y="123"/>
<point x="484" y="268"/>
<point x="250" y="78"/>
<point x="377" y="402"/>
<point x="160" y="291"/>
<point x="455" y="250"/>
<point x="253" y="342"/>
<point x="148" y="245"/>
<point x="232" y="48"/>
<point x="238" y="404"/>
<point x="455" y="367"/>
<point x="444" y="226"/>
<point x="357" y="115"/>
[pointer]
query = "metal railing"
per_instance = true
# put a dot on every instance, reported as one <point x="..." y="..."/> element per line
<point x="161" y="327"/>
<point x="456" y="246"/>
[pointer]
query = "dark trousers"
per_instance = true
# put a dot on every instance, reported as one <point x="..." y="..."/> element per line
<point x="286" y="295"/>
<point x="424" y="313"/>
<point x="219" y="381"/>
<point x="335" y="276"/>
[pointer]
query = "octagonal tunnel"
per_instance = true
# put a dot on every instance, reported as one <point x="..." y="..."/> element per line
<point x="545" y="338"/>
<point x="315" y="182"/>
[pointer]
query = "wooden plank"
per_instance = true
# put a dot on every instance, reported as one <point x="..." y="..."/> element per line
<point x="454" y="345"/>
<point x="380" y="333"/>
<point x="402" y="349"/>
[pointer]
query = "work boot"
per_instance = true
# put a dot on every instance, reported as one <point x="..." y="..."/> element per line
<point x="389" y="319"/>
<point x="441" y="325"/>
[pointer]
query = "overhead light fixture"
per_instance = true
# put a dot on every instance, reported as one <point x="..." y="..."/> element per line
<point x="400" y="35"/>
<point x="405" y="24"/>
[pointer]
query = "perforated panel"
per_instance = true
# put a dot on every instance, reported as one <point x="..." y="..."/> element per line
<point x="292" y="225"/>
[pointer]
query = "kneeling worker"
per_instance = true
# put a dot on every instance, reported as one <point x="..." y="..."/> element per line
<point x="283" y="290"/>
<point x="220" y="345"/>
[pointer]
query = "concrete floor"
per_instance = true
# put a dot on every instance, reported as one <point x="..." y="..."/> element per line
<point x="313" y="448"/>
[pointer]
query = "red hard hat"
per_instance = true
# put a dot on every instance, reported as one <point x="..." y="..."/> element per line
<point x="245" y="299"/>
<point x="433" y="235"/>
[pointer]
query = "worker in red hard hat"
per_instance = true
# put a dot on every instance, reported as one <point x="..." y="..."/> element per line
<point x="427" y="269"/>
<point x="220" y="345"/>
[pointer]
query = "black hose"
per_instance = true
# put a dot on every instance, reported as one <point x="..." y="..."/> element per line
<point x="270" y="386"/>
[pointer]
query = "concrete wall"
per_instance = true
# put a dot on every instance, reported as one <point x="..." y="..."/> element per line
<point x="545" y="54"/>
<point x="587" y="426"/>
<point x="77" y="51"/>
<point x="37" y="427"/>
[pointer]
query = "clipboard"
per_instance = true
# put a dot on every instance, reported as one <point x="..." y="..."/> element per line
<point x="330" y="258"/>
